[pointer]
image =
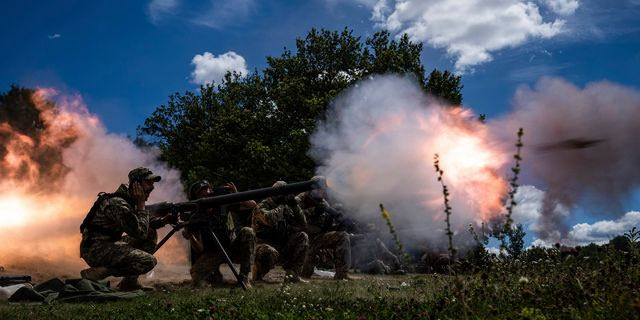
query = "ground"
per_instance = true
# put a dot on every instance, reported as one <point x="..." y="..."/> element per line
<point x="549" y="288"/>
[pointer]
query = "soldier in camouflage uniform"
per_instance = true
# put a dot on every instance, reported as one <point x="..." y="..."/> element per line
<point x="372" y="256"/>
<point x="238" y="242"/>
<point x="104" y="248"/>
<point x="321" y="226"/>
<point x="280" y="225"/>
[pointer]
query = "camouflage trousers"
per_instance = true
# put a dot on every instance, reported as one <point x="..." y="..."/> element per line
<point x="374" y="257"/>
<point x="336" y="241"/>
<point x="241" y="251"/>
<point x="291" y="254"/>
<point x="128" y="257"/>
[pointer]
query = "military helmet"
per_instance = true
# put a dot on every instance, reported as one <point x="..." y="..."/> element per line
<point x="142" y="173"/>
<point x="196" y="187"/>
<point x="279" y="184"/>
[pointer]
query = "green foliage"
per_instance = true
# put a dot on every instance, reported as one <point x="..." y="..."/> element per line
<point x="255" y="130"/>
<point x="515" y="246"/>
<point x="408" y="262"/>
<point x="446" y="86"/>
<point x="18" y="110"/>
<point x="447" y="207"/>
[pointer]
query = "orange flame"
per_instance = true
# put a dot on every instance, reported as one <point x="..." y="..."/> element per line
<point x="43" y="200"/>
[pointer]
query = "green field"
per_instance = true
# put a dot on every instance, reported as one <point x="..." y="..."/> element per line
<point x="599" y="284"/>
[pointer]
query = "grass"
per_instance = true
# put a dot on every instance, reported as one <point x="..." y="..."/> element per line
<point x="600" y="283"/>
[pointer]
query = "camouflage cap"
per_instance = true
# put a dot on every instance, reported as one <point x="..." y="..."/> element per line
<point x="196" y="187"/>
<point x="142" y="173"/>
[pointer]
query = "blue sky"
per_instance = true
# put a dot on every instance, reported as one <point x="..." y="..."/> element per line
<point x="126" y="57"/>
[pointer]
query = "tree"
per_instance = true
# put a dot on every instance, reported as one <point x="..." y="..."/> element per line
<point x="255" y="130"/>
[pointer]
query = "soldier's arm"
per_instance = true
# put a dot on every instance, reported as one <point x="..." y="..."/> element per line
<point x="270" y="214"/>
<point x="298" y="218"/>
<point x="134" y="223"/>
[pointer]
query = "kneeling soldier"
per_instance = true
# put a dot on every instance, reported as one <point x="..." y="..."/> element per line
<point x="104" y="248"/>
<point x="280" y="226"/>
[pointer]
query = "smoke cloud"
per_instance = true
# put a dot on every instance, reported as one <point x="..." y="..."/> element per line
<point x="51" y="176"/>
<point x="580" y="147"/>
<point x="378" y="144"/>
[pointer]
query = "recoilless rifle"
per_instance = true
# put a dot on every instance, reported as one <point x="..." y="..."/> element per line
<point x="181" y="212"/>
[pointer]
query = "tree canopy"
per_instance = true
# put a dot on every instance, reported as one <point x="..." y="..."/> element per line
<point x="254" y="129"/>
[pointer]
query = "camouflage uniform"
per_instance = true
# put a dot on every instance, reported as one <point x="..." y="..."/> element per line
<point x="239" y="243"/>
<point x="319" y="222"/>
<point x="372" y="256"/>
<point x="279" y="228"/>
<point x="102" y="242"/>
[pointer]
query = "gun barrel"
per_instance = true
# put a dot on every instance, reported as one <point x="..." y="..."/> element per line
<point x="296" y="187"/>
<point x="163" y="208"/>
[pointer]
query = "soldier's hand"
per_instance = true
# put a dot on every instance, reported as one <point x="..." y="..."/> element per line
<point x="248" y="205"/>
<point x="137" y="193"/>
<point x="232" y="187"/>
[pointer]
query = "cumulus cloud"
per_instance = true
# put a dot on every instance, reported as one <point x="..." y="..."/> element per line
<point x="562" y="7"/>
<point x="209" y="68"/>
<point x="599" y="232"/>
<point x="602" y="231"/>
<point x="470" y="29"/>
<point x="158" y="9"/>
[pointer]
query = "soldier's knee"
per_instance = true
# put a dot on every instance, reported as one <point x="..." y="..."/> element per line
<point x="302" y="238"/>
<point x="344" y="237"/>
<point x="147" y="264"/>
<point x="246" y="234"/>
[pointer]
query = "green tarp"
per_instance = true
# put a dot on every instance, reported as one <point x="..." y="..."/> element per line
<point x="71" y="290"/>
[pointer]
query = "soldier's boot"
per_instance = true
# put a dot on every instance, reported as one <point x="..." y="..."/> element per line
<point x="343" y="276"/>
<point x="291" y="277"/>
<point x="216" y="278"/>
<point x="95" y="274"/>
<point x="259" y="272"/>
<point x="131" y="283"/>
<point x="245" y="279"/>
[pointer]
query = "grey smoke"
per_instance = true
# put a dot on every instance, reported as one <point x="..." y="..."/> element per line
<point x="598" y="176"/>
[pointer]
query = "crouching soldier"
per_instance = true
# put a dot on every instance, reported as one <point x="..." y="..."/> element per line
<point x="280" y="225"/>
<point x="323" y="235"/>
<point x="239" y="242"/>
<point x="103" y="246"/>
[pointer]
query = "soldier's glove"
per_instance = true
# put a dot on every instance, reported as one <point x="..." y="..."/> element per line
<point x="157" y="223"/>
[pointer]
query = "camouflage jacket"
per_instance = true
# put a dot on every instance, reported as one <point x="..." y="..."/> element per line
<point x="318" y="220"/>
<point x="275" y="221"/>
<point x="115" y="216"/>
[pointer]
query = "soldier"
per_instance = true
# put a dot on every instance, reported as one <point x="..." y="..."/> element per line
<point x="322" y="226"/>
<point x="372" y="256"/>
<point x="239" y="243"/>
<point x="104" y="248"/>
<point x="280" y="226"/>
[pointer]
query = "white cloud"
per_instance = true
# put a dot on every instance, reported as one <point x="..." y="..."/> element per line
<point x="529" y="208"/>
<point x="210" y="68"/>
<point x="603" y="231"/>
<point x="158" y="9"/>
<point x="54" y="36"/>
<point x="563" y="7"/>
<point x="222" y="13"/>
<point x="469" y="29"/>
<point x="599" y="232"/>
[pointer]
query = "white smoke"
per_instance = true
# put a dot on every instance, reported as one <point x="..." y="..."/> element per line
<point x="378" y="144"/>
